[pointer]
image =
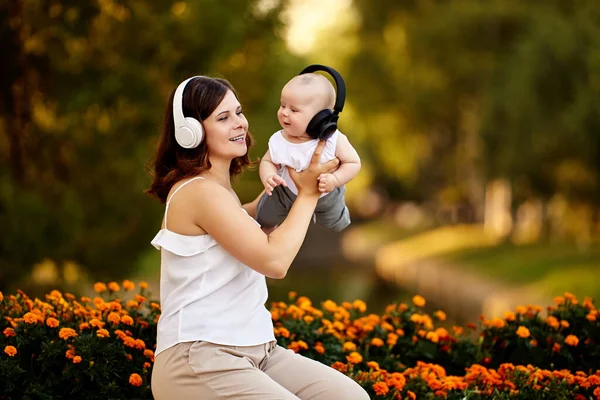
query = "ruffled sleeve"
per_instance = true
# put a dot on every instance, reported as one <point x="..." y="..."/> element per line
<point x="182" y="245"/>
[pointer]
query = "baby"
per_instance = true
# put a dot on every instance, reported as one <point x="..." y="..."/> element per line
<point x="305" y="117"/>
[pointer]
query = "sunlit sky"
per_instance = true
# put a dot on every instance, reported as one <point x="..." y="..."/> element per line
<point x="307" y="19"/>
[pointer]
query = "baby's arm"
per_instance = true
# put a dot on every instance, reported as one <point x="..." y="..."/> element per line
<point x="268" y="174"/>
<point x="348" y="169"/>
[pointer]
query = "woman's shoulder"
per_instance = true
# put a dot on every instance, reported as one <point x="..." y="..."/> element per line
<point x="196" y="189"/>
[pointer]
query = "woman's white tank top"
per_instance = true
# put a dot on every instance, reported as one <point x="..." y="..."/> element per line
<point x="207" y="294"/>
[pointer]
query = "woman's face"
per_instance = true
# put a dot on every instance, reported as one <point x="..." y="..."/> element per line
<point x="226" y="129"/>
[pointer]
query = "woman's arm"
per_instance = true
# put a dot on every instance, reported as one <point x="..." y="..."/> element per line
<point x="251" y="207"/>
<point x="220" y="215"/>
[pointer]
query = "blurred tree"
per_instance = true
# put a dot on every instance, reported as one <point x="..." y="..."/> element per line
<point x="453" y="93"/>
<point x="541" y="124"/>
<point x="83" y="87"/>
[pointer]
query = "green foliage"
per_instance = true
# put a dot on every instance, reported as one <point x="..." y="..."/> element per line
<point x="83" y="89"/>
<point x="63" y="347"/>
<point x="452" y="94"/>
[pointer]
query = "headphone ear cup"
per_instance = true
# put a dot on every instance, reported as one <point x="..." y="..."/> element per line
<point x="327" y="130"/>
<point x="190" y="135"/>
<point x="316" y="124"/>
<point x="197" y="129"/>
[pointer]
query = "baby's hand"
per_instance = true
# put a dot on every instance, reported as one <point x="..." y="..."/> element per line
<point x="327" y="183"/>
<point x="273" y="181"/>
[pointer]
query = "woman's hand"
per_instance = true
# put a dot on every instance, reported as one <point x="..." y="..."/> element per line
<point x="306" y="181"/>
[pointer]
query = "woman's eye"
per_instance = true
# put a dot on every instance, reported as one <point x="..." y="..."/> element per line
<point x="222" y="118"/>
<point x="240" y="112"/>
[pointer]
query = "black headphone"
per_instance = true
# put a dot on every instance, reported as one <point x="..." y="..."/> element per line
<point x="324" y="123"/>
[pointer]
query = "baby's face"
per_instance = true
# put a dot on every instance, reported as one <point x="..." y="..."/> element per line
<point x="298" y="105"/>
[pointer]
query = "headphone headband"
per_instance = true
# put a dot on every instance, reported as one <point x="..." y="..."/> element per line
<point x="340" y="93"/>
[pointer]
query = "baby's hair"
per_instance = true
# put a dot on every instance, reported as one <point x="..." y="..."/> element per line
<point x="326" y="88"/>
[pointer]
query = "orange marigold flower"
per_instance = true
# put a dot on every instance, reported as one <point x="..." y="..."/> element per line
<point x="597" y="392"/>
<point x="377" y="342"/>
<point x="11" y="351"/>
<point x="510" y="316"/>
<point x="380" y="388"/>
<point x="392" y="338"/>
<point x="31" y="318"/>
<point x="340" y="366"/>
<point x="349" y="346"/>
<point x="308" y="319"/>
<point x="143" y="285"/>
<point x="418" y="300"/>
<point x="552" y="322"/>
<point x="387" y="326"/>
<point x="99" y="287"/>
<point x="76" y="359"/>
<point x="113" y="286"/>
<point x="147" y="365"/>
<point x="114" y="317"/>
<point x="440" y="393"/>
<point x="52" y="322"/>
<point x="354" y="358"/>
<point x="8" y="332"/>
<point x="284" y="332"/>
<point x="411" y="395"/>
<point x="127" y="320"/>
<point x="359" y="305"/>
<point x="96" y="323"/>
<point x="128" y="285"/>
<point x="135" y="380"/>
<point x="559" y="300"/>
<point x="523" y="332"/>
<point x="373" y="365"/>
<point x="139" y="299"/>
<point x="433" y="337"/>
<point x="83" y="326"/>
<point x="496" y="323"/>
<point x="521" y="310"/>
<point x="592" y="315"/>
<point x="149" y="354"/>
<point x="564" y="324"/>
<point x="572" y="340"/>
<point x="132" y="304"/>
<point x="319" y="348"/>
<point x="66" y="333"/>
<point x="70" y="354"/>
<point x="85" y="299"/>
<point x="556" y="347"/>
<point x="296" y="346"/>
<point x="141" y="345"/>
<point x="440" y="315"/>
<point x="1" y="296"/>
<point x="102" y="333"/>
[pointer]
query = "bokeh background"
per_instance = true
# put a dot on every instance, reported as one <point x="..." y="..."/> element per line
<point x="478" y="124"/>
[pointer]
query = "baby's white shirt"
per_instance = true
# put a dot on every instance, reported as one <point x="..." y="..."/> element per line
<point x="298" y="155"/>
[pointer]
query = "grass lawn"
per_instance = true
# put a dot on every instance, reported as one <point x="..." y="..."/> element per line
<point x="553" y="268"/>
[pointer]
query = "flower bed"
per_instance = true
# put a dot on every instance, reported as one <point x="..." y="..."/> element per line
<point x="69" y="347"/>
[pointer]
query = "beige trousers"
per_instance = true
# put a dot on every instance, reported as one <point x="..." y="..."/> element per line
<point x="206" y="371"/>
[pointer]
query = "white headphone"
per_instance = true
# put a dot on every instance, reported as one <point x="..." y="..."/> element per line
<point x="188" y="130"/>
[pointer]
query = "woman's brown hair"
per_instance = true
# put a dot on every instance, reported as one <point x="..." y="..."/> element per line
<point x="202" y="95"/>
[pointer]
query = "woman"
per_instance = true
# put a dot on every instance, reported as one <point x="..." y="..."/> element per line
<point x="215" y="336"/>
